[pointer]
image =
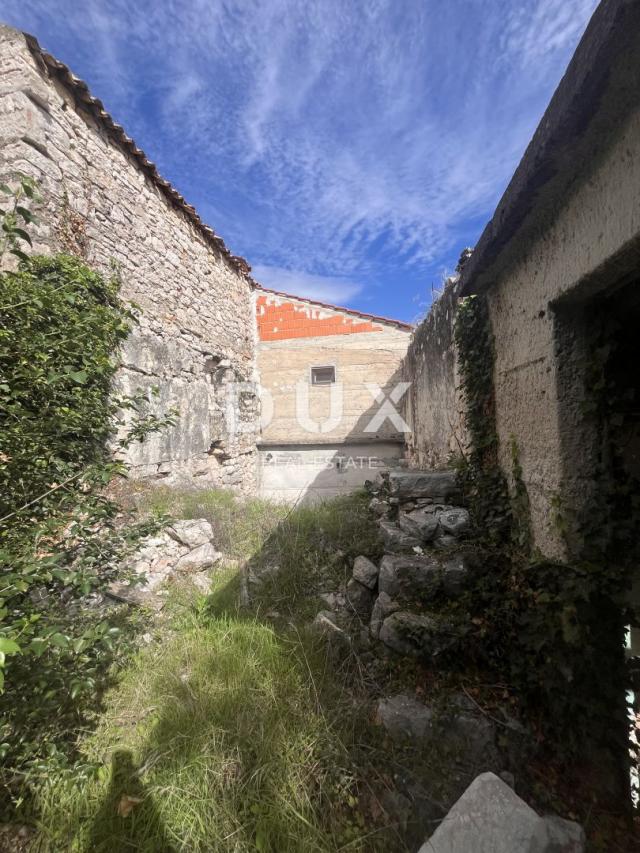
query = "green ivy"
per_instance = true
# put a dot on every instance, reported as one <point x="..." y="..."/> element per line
<point x="554" y="631"/>
<point x="60" y="326"/>
<point x="481" y="478"/>
<point x="15" y="218"/>
<point x="520" y="507"/>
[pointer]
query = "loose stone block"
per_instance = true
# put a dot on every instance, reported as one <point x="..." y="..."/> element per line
<point x="409" y="577"/>
<point x="365" y="572"/>
<point x="397" y="541"/>
<point x="438" y="485"/>
<point x="490" y="818"/>
<point x="404" y="717"/>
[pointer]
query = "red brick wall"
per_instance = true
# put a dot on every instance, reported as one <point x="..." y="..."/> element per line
<point x="279" y="320"/>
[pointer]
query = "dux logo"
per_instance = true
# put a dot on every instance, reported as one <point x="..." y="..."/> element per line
<point x="387" y="410"/>
<point x="248" y="401"/>
<point x="302" y="409"/>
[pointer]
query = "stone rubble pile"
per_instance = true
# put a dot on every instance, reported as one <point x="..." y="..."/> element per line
<point x="420" y="522"/>
<point x="399" y="607"/>
<point x="183" y="548"/>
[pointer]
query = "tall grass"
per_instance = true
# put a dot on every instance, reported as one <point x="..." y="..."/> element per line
<point x="296" y="551"/>
<point x="312" y="550"/>
<point x="216" y="743"/>
<point x="222" y="734"/>
<point x="240" y="526"/>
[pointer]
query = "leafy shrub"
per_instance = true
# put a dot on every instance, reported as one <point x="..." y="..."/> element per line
<point x="61" y="325"/>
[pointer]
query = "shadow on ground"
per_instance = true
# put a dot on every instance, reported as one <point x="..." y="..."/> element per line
<point x="128" y="818"/>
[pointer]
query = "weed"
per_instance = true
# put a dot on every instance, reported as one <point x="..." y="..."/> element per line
<point x="225" y="734"/>
<point x="213" y="741"/>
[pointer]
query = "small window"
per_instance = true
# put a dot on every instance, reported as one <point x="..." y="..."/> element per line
<point x="323" y="375"/>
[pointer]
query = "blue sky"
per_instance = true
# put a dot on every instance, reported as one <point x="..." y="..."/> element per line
<point x="349" y="149"/>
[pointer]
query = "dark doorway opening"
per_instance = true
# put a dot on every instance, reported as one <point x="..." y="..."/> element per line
<point x="614" y="371"/>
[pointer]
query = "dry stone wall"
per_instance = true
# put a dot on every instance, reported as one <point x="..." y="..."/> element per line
<point x="432" y="406"/>
<point x="196" y="338"/>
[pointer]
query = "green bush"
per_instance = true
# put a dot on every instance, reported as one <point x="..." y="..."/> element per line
<point x="61" y="325"/>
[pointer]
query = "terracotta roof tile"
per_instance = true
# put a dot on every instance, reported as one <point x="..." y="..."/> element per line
<point x="398" y="323"/>
<point x="59" y="71"/>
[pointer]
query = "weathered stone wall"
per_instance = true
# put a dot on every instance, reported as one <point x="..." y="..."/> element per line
<point x="432" y="406"/>
<point x="588" y="245"/>
<point x="196" y="335"/>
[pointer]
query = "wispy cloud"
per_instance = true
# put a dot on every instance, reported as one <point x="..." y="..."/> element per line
<point x="531" y="33"/>
<point x="324" y="288"/>
<point x="358" y="142"/>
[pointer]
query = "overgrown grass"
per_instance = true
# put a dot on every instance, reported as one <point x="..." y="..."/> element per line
<point x="296" y="552"/>
<point x="224" y="734"/>
<point x="312" y="550"/>
<point x="217" y="732"/>
<point x="240" y="526"/>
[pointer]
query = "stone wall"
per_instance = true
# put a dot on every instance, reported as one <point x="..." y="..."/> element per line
<point x="432" y="406"/>
<point x="541" y="340"/>
<point x="104" y="201"/>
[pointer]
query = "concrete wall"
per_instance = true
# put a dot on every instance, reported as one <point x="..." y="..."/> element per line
<point x="432" y="406"/>
<point x="298" y="473"/>
<point x="541" y="304"/>
<point x="589" y="244"/>
<point x="196" y="334"/>
<point x="317" y="441"/>
<point x="363" y="352"/>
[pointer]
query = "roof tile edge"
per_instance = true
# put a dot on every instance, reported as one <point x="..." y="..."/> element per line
<point x="56" y="69"/>
<point x="388" y="320"/>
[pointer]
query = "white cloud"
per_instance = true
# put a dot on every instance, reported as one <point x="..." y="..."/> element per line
<point x="333" y="289"/>
<point x="331" y="137"/>
<point x="545" y="26"/>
